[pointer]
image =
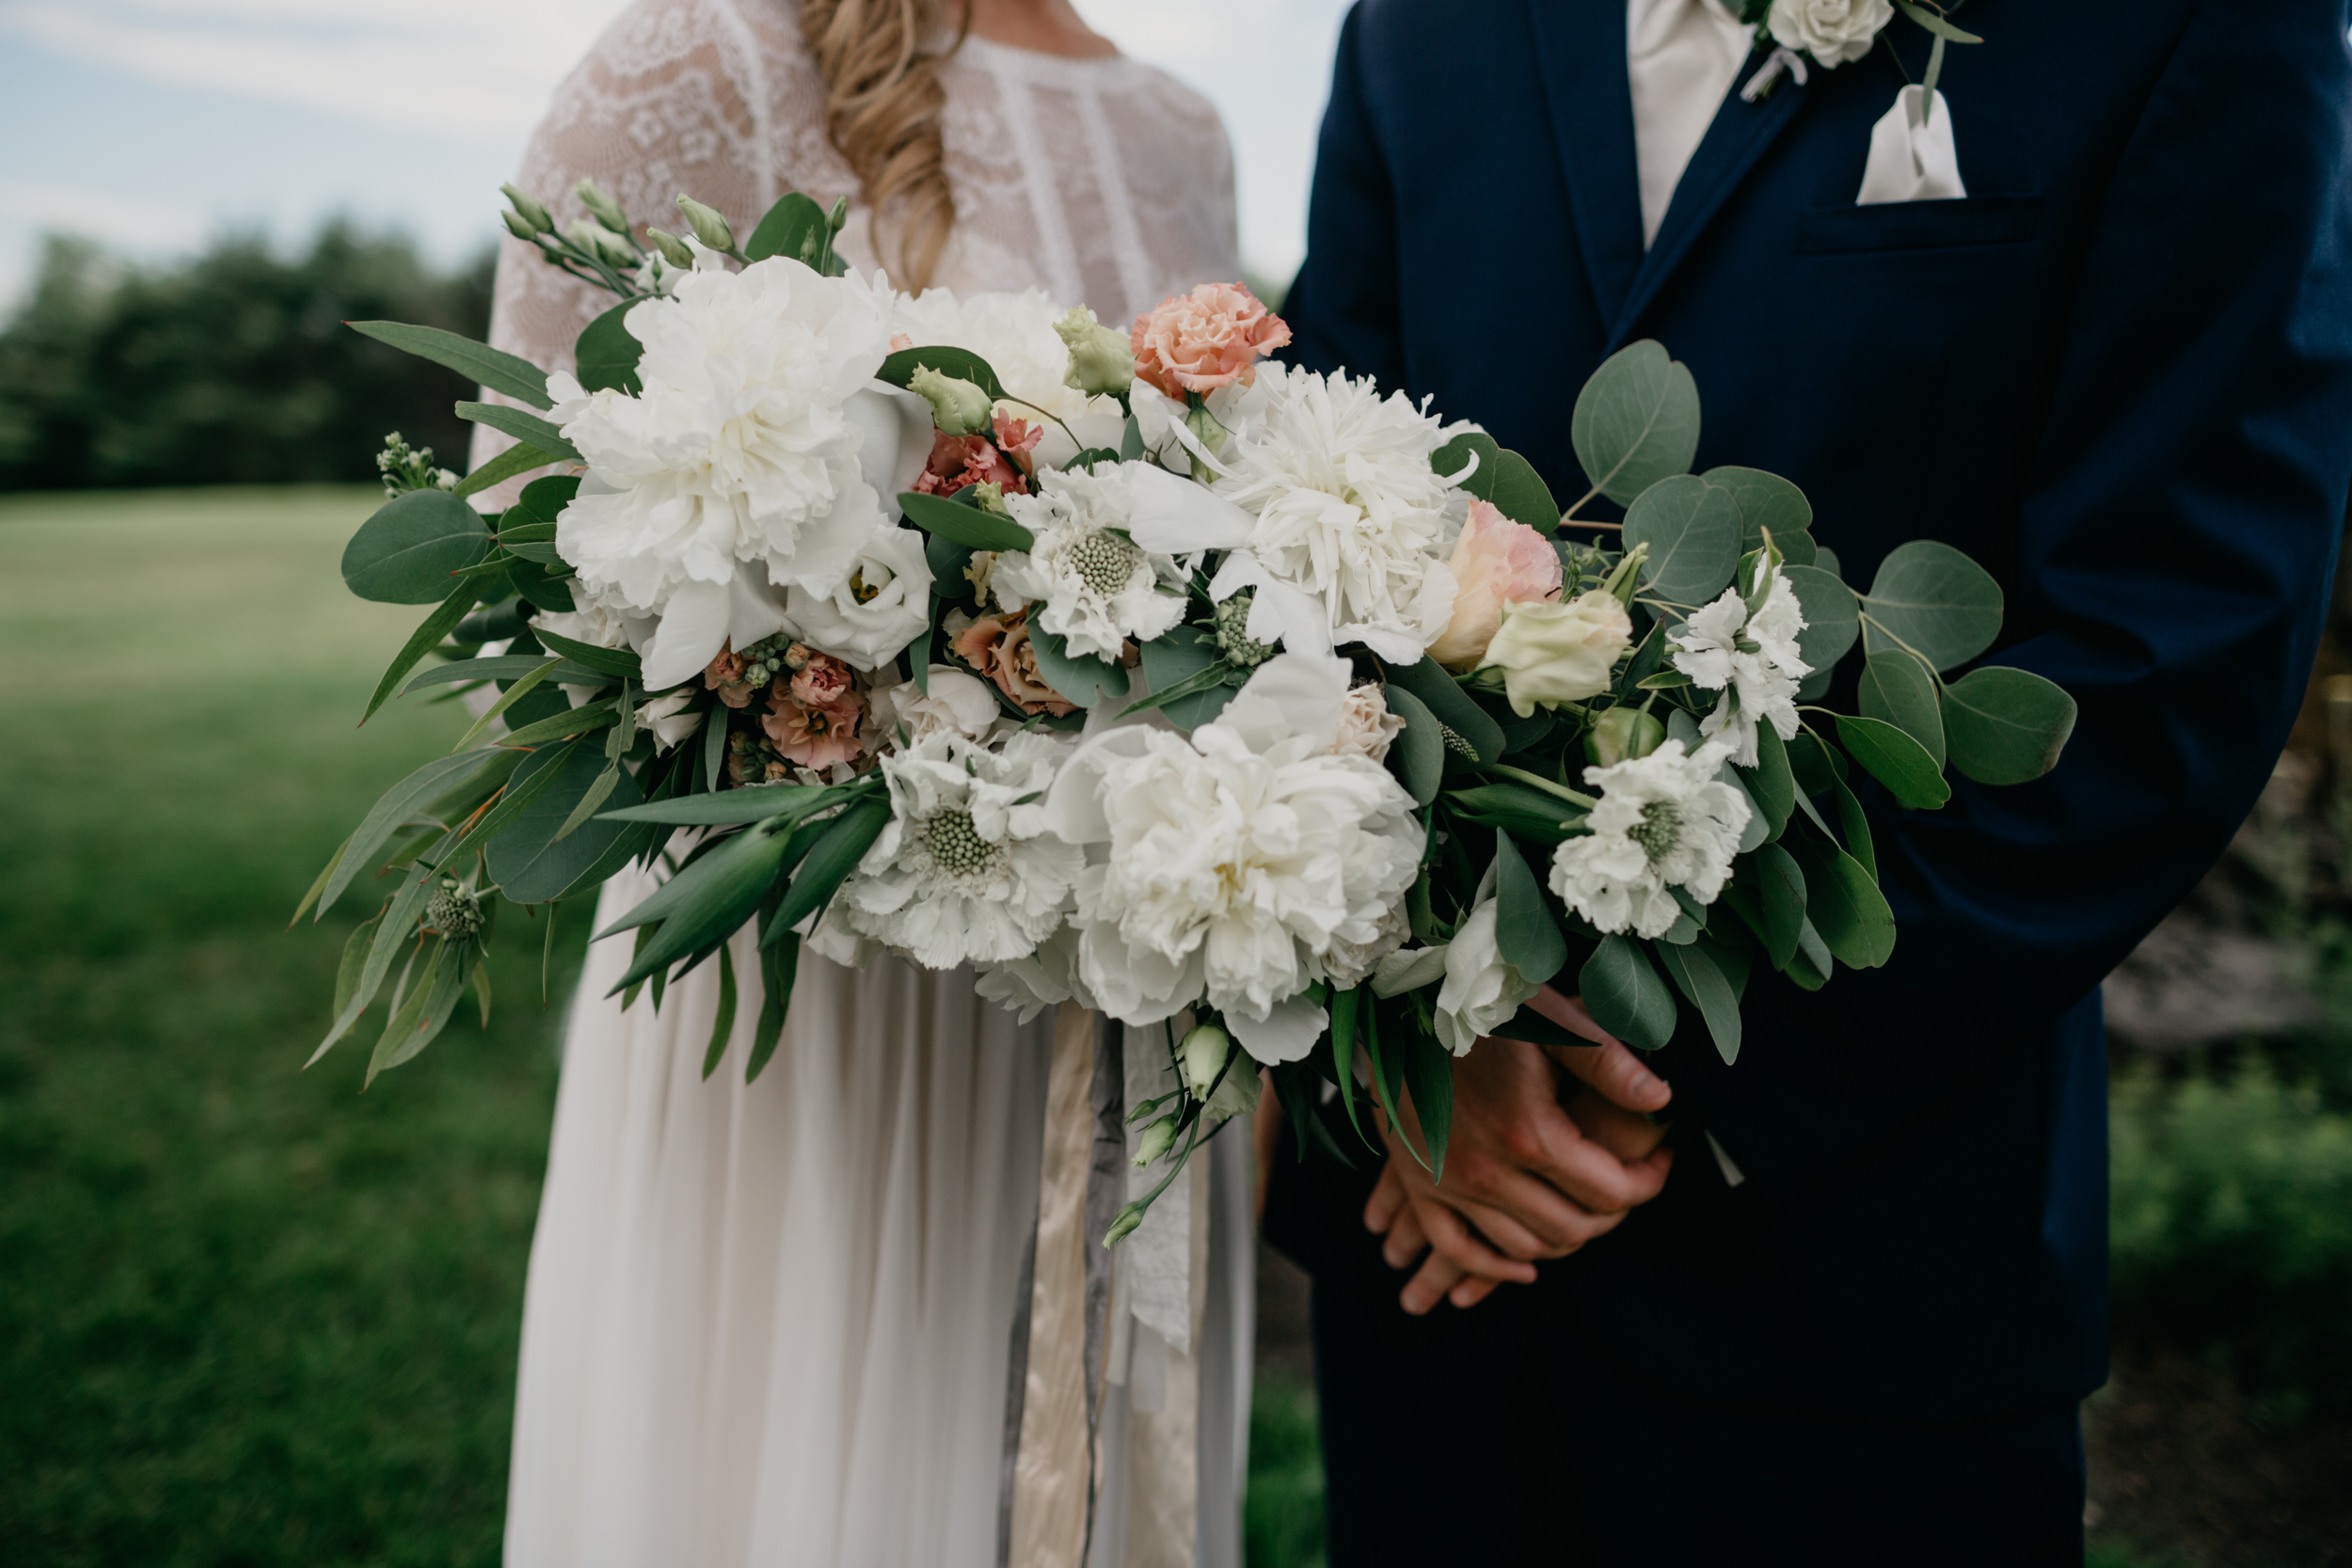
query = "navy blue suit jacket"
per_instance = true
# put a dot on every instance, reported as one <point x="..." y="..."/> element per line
<point x="2119" y="374"/>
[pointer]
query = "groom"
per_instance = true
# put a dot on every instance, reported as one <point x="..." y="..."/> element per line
<point x="2118" y="372"/>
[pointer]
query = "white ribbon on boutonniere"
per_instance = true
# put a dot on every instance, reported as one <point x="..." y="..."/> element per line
<point x="1913" y="155"/>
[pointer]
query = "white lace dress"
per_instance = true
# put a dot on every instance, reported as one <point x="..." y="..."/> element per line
<point x="772" y="1324"/>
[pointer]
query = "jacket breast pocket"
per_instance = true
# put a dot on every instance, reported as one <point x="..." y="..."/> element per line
<point x="1975" y="220"/>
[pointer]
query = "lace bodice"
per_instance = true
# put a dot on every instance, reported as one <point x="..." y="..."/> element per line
<point x="1102" y="182"/>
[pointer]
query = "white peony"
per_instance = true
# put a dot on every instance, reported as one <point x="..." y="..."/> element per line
<point x="967" y="871"/>
<point x="874" y="612"/>
<point x="750" y="462"/>
<point x="1345" y="507"/>
<point x="1095" y="587"/>
<point x="1750" y="658"/>
<point x="1351" y="963"/>
<point x="1027" y="986"/>
<point x="1662" y="821"/>
<point x="1015" y="333"/>
<point x="1481" y="990"/>
<point x="1834" y="32"/>
<point x="1367" y="727"/>
<point x="956" y="704"/>
<point x="1226" y="866"/>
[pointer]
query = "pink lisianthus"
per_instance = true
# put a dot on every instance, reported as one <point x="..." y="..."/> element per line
<point x="1495" y="562"/>
<point x="724" y="675"/>
<point x="998" y="647"/>
<point x="813" y="735"/>
<point x="959" y="460"/>
<point x="821" y="681"/>
<point x="1212" y="337"/>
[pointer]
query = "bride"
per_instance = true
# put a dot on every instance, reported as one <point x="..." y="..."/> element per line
<point x="783" y="1321"/>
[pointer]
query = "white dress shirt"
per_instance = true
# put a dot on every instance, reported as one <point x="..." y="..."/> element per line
<point x="1680" y="57"/>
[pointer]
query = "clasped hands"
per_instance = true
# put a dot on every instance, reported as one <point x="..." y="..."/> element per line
<point x="1529" y="1173"/>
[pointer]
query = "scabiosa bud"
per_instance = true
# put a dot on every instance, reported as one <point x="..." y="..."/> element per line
<point x="958" y="407"/>
<point x="1232" y="634"/>
<point x="707" y="224"/>
<point x="528" y="209"/>
<point x="453" y="911"/>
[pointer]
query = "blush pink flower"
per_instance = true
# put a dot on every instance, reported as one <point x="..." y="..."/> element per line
<point x="724" y="675"/>
<point x="1495" y="562"/>
<point x="816" y="735"/>
<point x="957" y="461"/>
<point x="1018" y="438"/>
<point x="998" y="647"/>
<point x="822" y="681"/>
<point x="1212" y="337"/>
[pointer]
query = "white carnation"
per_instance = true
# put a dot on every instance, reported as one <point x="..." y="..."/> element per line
<point x="874" y="612"/>
<point x="1481" y="990"/>
<point x="1662" y="821"/>
<point x="1367" y="728"/>
<point x="736" y="471"/>
<point x="1347" y="507"/>
<point x="1226" y="865"/>
<point x="1834" y="32"/>
<point x="1095" y="587"/>
<point x="1750" y="658"/>
<point x="966" y="871"/>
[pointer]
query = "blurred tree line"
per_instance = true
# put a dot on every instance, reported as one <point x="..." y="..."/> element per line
<point x="232" y="367"/>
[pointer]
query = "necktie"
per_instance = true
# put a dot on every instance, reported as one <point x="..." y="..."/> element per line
<point x="1681" y="58"/>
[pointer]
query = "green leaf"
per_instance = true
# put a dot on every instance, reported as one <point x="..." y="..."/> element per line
<point x="1184" y="654"/>
<point x="722" y="891"/>
<point x="1833" y="618"/>
<point x="586" y="807"/>
<point x="504" y="667"/>
<point x="1776" y="883"/>
<point x="318" y="883"/>
<point x="1457" y="453"/>
<point x="507" y="698"/>
<point x="1898" y="690"/>
<point x="1767" y="502"/>
<point x="1936" y="24"/>
<point x="1843" y="904"/>
<point x="1772" y="784"/>
<point x="521" y="458"/>
<point x="611" y="662"/>
<point x="1934" y="600"/>
<point x="1857" y="827"/>
<point x="1625" y="995"/>
<point x="1526" y="934"/>
<point x="528" y="860"/>
<point x="960" y="363"/>
<point x="723" y="1024"/>
<point x="1344" y="1006"/>
<point x="608" y="352"/>
<point x="406" y="552"/>
<point x="1524" y="813"/>
<point x="1530" y="1027"/>
<point x="1453" y="708"/>
<point x="493" y="368"/>
<point x="1419" y="755"/>
<point x="1503" y="477"/>
<point x="750" y="803"/>
<point x="715" y="743"/>
<point x="1083" y="679"/>
<point x="526" y="428"/>
<point x="514" y="796"/>
<point x="390" y="812"/>
<point x="795" y="227"/>
<point x="1693" y="531"/>
<point x="1896" y="760"/>
<point x="393" y="927"/>
<point x="1636" y="421"/>
<point x="1429" y="1074"/>
<point x="355" y="962"/>
<point x="964" y="525"/>
<point x="831" y="860"/>
<point x="422" y="1016"/>
<point x="780" y="966"/>
<point x="564" y="726"/>
<point x="2007" y="726"/>
<point x="1694" y="970"/>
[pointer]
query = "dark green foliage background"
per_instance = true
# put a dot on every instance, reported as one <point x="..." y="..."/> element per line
<point x="231" y="369"/>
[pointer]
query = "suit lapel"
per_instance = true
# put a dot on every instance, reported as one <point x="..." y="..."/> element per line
<point x="1579" y="50"/>
<point x="1737" y="136"/>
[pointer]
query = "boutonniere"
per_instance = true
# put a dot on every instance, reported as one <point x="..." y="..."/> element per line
<point x="1836" y="32"/>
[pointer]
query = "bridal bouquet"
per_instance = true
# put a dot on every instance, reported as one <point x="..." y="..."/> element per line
<point x="1133" y="669"/>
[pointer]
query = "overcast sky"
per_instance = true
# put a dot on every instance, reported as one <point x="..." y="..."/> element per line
<point x="153" y="124"/>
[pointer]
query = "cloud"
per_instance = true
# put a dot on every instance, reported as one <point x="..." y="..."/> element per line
<point x="114" y="220"/>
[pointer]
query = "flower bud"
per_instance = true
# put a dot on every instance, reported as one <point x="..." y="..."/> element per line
<point x="1205" y="1049"/>
<point x="601" y="206"/>
<point x="529" y="212"/>
<point x="672" y="249"/>
<point x="518" y="226"/>
<point x="1102" y="360"/>
<point x="602" y="243"/>
<point x="1157" y="1139"/>
<point x="958" y="407"/>
<point x="1622" y="733"/>
<point x="707" y="224"/>
<point x="1553" y="653"/>
<point x="1624" y="583"/>
<point x="1123" y="1224"/>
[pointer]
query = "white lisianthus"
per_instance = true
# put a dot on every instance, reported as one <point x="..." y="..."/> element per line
<point x="1553" y="653"/>
<point x="1482" y="989"/>
<point x="1662" y="821"/>
<point x="956" y="704"/>
<point x="748" y="464"/>
<point x="1229" y="865"/>
<point x="669" y="717"/>
<point x="1367" y="728"/>
<point x="1834" y="32"/>
<point x="1750" y="657"/>
<point x="1016" y="332"/>
<point x="1347" y="507"/>
<point x="874" y="612"/>
<point x="1094" y="587"/>
<point x="965" y="872"/>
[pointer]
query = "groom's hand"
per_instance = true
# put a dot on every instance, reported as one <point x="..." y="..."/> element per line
<point x="1526" y="1178"/>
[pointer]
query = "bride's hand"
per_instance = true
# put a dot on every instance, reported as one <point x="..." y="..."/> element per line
<point x="1526" y="1178"/>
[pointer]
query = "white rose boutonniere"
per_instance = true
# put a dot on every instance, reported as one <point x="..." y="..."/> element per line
<point x="1833" y="32"/>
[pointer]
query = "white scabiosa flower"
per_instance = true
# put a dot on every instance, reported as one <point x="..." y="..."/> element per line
<point x="965" y="872"/>
<point x="1662" y="821"/>
<point x="1749" y="656"/>
<point x="1226" y="866"/>
<point x="874" y="612"/>
<point x="1094" y="585"/>
<point x="1346" y="508"/>
<point x="751" y="461"/>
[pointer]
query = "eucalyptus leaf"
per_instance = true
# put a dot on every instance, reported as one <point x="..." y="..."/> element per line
<point x="1843" y="904"/>
<point x="1898" y="690"/>
<point x="1933" y="599"/>
<point x="1184" y="654"/>
<point x="1519" y="493"/>
<point x="2007" y="726"/>
<point x="1454" y="707"/>
<point x="478" y="362"/>
<point x="963" y="525"/>
<point x="1636" y="421"/>
<point x="1896" y="760"/>
<point x="393" y="809"/>
<point x="960" y="364"/>
<point x="1527" y="936"/>
<point x="750" y="803"/>
<point x="1833" y="618"/>
<point x="1772" y="784"/>
<point x="529" y="861"/>
<point x="404" y="553"/>
<point x="1082" y="678"/>
<point x="1622" y="990"/>
<point x="795" y="227"/>
<point x="521" y="458"/>
<point x="1429" y="1074"/>
<point x="1693" y="531"/>
<point x="608" y="353"/>
<point x="612" y="661"/>
<point x="1777" y="881"/>
<point x="1518" y="810"/>
<point x="1418" y="755"/>
<point x="1767" y="502"/>
<point x="1694" y="970"/>
<point x="526" y="428"/>
<point x="425" y="1015"/>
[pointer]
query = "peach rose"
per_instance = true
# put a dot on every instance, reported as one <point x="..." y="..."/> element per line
<point x="816" y="735"/>
<point x="1495" y="562"/>
<point x="998" y="647"/>
<point x="1210" y="338"/>
<point x="821" y="682"/>
<point x="724" y="675"/>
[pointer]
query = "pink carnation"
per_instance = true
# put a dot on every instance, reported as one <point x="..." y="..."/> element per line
<point x="821" y="681"/>
<point x="724" y="675"/>
<point x="959" y="460"/>
<point x="1495" y="560"/>
<point x="1210" y="338"/>
<point x="816" y="735"/>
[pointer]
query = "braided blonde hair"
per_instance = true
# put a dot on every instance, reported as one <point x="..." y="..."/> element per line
<point x="884" y="113"/>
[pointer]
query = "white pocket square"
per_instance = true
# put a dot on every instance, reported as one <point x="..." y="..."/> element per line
<point x="1912" y="154"/>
